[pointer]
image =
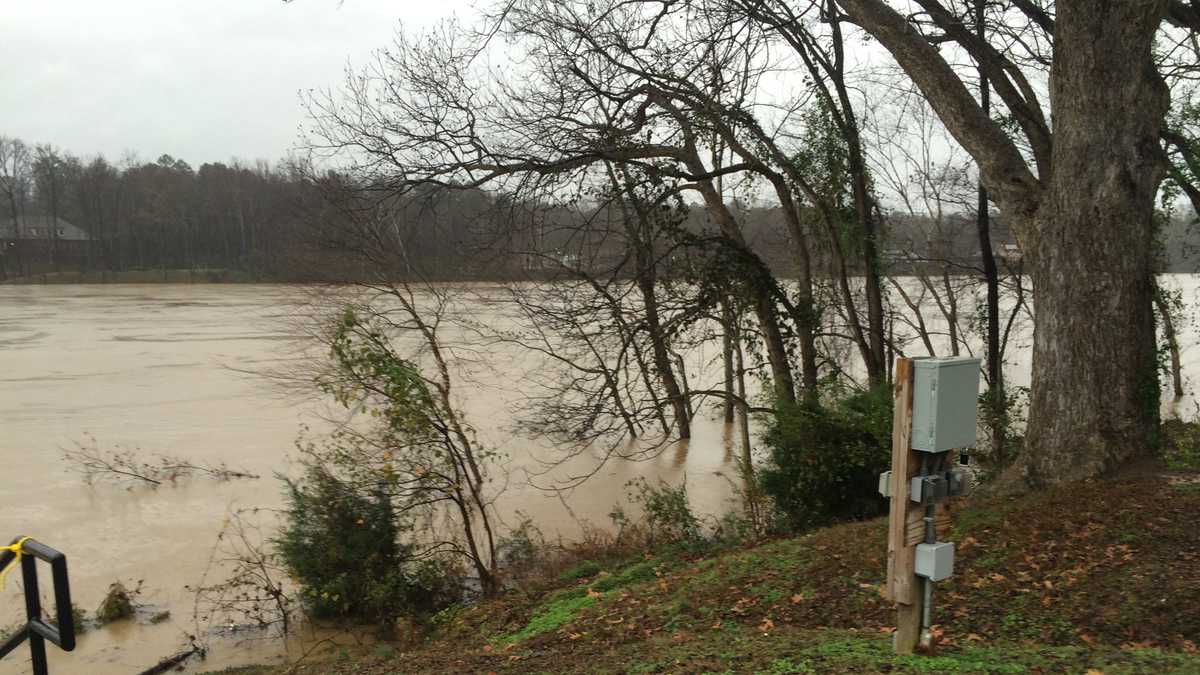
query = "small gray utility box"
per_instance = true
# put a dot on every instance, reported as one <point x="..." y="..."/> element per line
<point x="935" y="561"/>
<point x="945" y="397"/>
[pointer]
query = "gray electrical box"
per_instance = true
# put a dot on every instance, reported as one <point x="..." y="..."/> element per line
<point x="928" y="489"/>
<point x="945" y="397"/>
<point x="935" y="561"/>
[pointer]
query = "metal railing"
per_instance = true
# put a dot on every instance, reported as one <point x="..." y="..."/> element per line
<point x="36" y="630"/>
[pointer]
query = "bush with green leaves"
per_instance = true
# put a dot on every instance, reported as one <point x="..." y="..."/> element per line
<point x="342" y="543"/>
<point x="825" y="458"/>
<point x="1180" y="449"/>
<point x="409" y="444"/>
<point x="667" y="513"/>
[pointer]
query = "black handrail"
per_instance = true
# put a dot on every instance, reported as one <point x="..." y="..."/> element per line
<point x="35" y="629"/>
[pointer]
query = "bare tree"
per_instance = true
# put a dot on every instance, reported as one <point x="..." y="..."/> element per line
<point x="389" y="360"/>
<point x="15" y="185"/>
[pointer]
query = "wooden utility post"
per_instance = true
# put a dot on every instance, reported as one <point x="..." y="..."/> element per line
<point x="905" y="517"/>
<point x="901" y="584"/>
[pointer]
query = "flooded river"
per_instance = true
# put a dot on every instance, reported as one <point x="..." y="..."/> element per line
<point x="169" y="369"/>
<point x="163" y="368"/>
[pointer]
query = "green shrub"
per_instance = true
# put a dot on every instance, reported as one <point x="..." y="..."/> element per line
<point x="1181" y="444"/>
<point x="522" y="547"/>
<point x="825" y="458"/>
<point x="667" y="512"/>
<point x="585" y="569"/>
<point x="342" y="544"/>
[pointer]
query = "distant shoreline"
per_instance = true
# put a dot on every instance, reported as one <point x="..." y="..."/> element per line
<point x="171" y="276"/>
<point x="231" y="276"/>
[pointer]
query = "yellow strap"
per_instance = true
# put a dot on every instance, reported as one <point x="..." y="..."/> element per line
<point x="15" y="548"/>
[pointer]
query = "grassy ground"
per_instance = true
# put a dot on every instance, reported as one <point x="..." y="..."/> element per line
<point x="1092" y="577"/>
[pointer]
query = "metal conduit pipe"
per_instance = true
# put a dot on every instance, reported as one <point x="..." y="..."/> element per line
<point x="930" y="538"/>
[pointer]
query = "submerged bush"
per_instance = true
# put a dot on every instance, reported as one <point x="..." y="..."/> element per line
<point x="342" y="544"/>
<point x="118" y="604"/>
<point x="667" y="512"/>
<point x="825" y="458"/>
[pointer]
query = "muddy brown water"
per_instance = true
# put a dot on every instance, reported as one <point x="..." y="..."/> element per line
<point x="164" y="369"/>
<point x="159" y="368"/>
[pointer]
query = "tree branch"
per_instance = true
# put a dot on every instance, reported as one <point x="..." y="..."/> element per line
<point x="1001" y="165"/>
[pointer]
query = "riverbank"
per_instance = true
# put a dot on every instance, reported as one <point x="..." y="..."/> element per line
<point x="1102" y="576"/>
<point x="169" y="276"/>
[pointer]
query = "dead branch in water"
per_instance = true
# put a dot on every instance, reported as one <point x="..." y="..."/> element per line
<point x="121" y="465"/>
<point x="175" y="661"/>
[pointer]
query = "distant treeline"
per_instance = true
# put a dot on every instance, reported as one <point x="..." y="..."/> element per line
<point x="269" y="222"/>
<point x="139" y="215"/>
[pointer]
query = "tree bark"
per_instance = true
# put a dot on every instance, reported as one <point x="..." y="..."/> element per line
<point x="662" y="359"/>
<point x="728" y="330"/>
<point x="1085" y="223"/>
<point x="991" y="277"/>
<point x="1095" y="401"/>
<point x="994" y="365"/>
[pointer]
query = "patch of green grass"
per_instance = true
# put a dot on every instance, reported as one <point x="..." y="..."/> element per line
<point x="585" y="569"/>
<point x="550" y="616"/>
<point x="635" y="573"/>
<point x="1186" y="487"/>
<point x="1128" y="537"/>
<point x="1021" y="625"/>
<point x="787" y="666"/>
<point x="768" y="593"/>
<point x="873" y="654"/>
<point x="992" y="559"/>
<point x="977" y="518"/>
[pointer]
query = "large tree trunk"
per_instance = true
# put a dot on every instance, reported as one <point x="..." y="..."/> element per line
<point x="1095" y="387"/>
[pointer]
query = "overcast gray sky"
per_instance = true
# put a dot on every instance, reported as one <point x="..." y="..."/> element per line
<point x="203" y="80"/>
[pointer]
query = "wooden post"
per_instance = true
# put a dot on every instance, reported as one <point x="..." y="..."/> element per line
<point x="901" y="584"/>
